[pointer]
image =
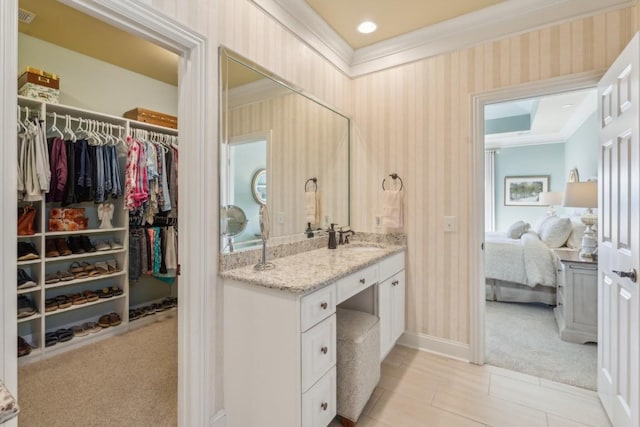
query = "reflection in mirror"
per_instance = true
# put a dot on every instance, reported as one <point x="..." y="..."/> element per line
<point x="267" y="124"/>
<point x="259" y="186"/>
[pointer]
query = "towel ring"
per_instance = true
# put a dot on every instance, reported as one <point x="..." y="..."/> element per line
<point x="315" y="183"/>
<point x="394" y="176"/>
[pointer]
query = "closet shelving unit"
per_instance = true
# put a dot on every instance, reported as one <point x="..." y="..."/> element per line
<point x="34" y="328"/>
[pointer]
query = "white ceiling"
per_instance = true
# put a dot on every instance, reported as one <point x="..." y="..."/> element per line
<point x="554" y="118"/>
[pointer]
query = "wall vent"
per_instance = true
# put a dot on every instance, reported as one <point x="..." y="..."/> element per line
<point x="26" y="16"/>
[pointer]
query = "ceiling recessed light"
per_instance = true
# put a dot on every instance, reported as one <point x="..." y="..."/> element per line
<point x="367" y="27"/>
<point x="567" y="106"/>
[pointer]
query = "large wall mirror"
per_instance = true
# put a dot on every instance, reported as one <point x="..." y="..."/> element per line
<point x="268" y="124"/>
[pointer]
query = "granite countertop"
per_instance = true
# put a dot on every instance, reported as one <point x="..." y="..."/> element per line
<point x="307" y="271"/>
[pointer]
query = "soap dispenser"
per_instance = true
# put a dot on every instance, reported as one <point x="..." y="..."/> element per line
<point x="333" y="244"/>
<point x="309" y="230"/>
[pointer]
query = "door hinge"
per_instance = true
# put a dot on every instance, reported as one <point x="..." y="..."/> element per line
<point x="178" y="270"/>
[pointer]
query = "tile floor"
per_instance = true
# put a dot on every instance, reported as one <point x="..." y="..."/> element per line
<point x="419" y="389"/>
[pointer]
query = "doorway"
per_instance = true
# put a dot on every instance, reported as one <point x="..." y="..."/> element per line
<point x="196" y="356"/>
<point x="477" y="239"/>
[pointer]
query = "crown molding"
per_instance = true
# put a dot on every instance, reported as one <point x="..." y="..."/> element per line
<point x="501" y="20"/>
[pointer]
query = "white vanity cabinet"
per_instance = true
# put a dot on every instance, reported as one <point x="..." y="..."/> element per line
<point x="280" y="343"/>
<point x="279" y="356"/>
<point x="391" y="302"/>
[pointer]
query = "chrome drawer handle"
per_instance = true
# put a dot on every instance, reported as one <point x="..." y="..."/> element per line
<point x="362" y="280"/>
<point x="324" y="305"/>
<point x="324" y="406"/>
<point x="324" y="350"/>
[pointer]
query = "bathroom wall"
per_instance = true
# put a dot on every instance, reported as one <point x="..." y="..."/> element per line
<point x="415" y="120"/>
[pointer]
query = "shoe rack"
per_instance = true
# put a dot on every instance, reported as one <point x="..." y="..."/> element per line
<point x="69" y="303"/>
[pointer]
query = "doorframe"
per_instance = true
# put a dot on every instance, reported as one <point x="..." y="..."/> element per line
<point x="477" y="294"/>
<point x="197" y="335"/>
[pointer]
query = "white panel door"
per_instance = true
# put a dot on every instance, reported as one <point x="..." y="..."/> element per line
<point x="619" y="234"/>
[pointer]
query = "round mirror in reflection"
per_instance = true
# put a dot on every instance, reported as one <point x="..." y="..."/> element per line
<point x="234" y="220"/>
<point x="259" y="186"/>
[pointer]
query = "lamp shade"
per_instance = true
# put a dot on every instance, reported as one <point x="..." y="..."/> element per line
<point x="551" y="198"/>
<point x="581" y="194"/>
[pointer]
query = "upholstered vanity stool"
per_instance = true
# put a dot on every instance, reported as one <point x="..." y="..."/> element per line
<point x="358" y="366"/>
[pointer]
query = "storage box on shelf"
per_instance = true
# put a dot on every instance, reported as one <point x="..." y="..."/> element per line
<point x="39" y="84"/>
<point x="153" y="117"/>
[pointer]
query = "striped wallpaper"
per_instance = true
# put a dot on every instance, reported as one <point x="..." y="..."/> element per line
<point x="415" y="120"/>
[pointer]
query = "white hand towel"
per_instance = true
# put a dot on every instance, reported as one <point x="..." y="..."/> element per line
<point x="311" y="207"/>
<point x="392" y="209"/>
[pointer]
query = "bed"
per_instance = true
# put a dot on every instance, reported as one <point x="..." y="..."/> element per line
<point x="522" y="267"/>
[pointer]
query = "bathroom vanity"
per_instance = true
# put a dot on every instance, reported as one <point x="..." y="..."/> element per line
<point x="280" y="330"/>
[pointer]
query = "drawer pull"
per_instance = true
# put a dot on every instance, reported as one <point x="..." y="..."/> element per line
<point x="324" y="406"/>
<point x="324" y="305"/>
<point x="324" y="350"/>
<point x="362" y="280"/>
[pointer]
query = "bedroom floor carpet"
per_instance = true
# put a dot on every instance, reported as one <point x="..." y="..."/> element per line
<point x="525" y="338"/>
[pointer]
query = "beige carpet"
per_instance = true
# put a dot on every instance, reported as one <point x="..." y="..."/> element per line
<point x="127" y="380"/>
<point x="525" y="338"/>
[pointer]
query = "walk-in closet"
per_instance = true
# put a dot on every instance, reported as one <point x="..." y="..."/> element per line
<point x="98" y="224"/>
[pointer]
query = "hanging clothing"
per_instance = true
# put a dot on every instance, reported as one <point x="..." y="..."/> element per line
<point x="58" y="168"/>
<point x="34" y="171"/>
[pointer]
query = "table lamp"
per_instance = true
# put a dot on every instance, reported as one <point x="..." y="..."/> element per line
<point x="584" y="195"/>
<point x="551" y="199"/>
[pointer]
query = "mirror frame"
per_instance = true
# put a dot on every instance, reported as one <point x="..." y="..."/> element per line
<point x="257" y="195"/>
<point x="231" y="55"/>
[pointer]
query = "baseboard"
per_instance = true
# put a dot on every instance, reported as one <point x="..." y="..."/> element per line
<point x="436" y="345"/>
<point x="219" y="419"/>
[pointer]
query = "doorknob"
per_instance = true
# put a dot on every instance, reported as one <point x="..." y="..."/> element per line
<point x="630" y="274"/>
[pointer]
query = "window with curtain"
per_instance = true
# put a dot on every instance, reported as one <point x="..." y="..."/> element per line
<point x="489" y="190"/>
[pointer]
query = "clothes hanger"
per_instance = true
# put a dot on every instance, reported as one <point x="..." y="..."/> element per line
<point x="67" y="129"/>
<point x="21" y="125"/>
<point x="54" y="126"/>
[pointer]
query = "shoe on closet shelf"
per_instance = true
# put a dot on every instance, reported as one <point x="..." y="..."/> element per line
<point x="26" y="307"/>
<point x="78" y="270"/>
<point x="26" y="251"/>
<point x="92" y="327"/>
<point x="23" y="347"/>
<point x="62" y="247"/>
<point x="75" y="245"/>
<point x="79" y="330"/>
<point x="64" y="334"/>
<point x="50" y="338"/>
<point x="50" y="305"/>
<point x="102" y="267"/>
<point x="65" y="276"/>
<point x="24" y="280"/>
<point x="91" y="296"/>
<point x="90" y="269"/>
<point x="51" y="278"/>
<point x="86" y="244"/>
<point x="63" y="301"/>
<point x="50" y="249"/>
<point x="103" y="245"/>
<point x="112" y="265"/>
<point x="116" y="244"/>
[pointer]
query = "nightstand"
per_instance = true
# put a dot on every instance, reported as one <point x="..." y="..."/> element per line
<point x="577" y="294"/>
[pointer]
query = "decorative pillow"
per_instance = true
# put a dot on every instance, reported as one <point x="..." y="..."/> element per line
<point x="577" y="230"/>
<point x="517" y="229"/>
<point x="555" y="231"/>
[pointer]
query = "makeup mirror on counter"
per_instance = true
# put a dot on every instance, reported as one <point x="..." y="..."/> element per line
<point x="268" y="124"/>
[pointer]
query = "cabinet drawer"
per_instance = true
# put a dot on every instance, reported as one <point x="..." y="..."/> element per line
<point x="318" y="351"/>
<point x="317" y="306"/>
<point x="319" y="403"/>
<point x="390" y="266"/>
<point x="356" y="282"/>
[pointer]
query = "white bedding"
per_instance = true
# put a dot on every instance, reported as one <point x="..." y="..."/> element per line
<point x="526" y="260"/>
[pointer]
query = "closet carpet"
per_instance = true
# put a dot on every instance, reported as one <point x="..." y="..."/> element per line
<point x="128" y="380"/>
<point x="525" y="338"/>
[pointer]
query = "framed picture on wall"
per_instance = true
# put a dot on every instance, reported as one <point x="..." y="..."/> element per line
<point x="524" y="190"/>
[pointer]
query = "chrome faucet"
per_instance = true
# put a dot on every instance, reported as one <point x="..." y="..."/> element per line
<point x="264" y="235"/>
